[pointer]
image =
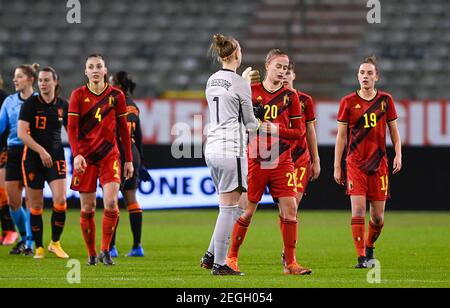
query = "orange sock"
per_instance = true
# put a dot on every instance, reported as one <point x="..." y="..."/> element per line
<point x="374" y="234"/>
<point x="87" y="223"/>
<point x="289" y="232"/>
<point x="358" y="231"/>
<point x="238" y="236"/>
<point x="110" y="218"/>
<point x="3" y="197"/>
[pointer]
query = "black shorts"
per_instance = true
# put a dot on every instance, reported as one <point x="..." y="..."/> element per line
<point x="35" y="174"/>
<point x="133" y="183"/>
<point x="14" y="164"/>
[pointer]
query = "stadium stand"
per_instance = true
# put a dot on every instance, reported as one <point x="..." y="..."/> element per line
<point x="164" y="47"/>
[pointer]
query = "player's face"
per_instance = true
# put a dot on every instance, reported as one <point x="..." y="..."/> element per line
<point x="289" y="79"/>
<point x="21" y="81"/>
<point x="367" y="76"/>
<point x="46" y="83"/>
<point x="277" y="69"/>
<point x="96" y="70"/>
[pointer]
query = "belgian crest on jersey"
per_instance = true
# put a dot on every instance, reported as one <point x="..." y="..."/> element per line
<point x="302" y="105"/>
<point x="383" y="106"/>
<point x="286" y="100"/>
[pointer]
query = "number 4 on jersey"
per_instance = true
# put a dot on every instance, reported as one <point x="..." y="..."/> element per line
<point x="98" y="114"/>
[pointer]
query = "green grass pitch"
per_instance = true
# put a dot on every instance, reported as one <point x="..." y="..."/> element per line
<point x="414" y="251"/>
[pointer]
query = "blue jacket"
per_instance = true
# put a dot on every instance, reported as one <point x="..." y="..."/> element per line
<point x="9" y="118"/>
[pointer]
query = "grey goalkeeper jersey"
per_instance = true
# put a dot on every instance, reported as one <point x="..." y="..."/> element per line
<point x="231" y="114"/>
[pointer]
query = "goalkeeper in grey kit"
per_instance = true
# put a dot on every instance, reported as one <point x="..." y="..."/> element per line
<point x="231" y="117"/>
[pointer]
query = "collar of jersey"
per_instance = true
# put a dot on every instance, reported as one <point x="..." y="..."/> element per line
<point x="41" y="99"/>
<point x="367" y="100"/>
<point x="271" y="92"/>
<point x="101" y="92"/>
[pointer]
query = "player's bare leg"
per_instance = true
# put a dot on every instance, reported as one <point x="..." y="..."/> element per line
<point x="377" y="210"/>
<point x="289" y="232"/>
<point x="110" y="218"/>
<point x="359" y="228"/>
<point x="87" y="222"/>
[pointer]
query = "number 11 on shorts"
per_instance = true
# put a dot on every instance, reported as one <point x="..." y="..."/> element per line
<point x="384" y="184"/>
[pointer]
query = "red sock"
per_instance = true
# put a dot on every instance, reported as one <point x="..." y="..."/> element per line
<point x="374" y="234"/>
<point x="359" y="230"/>
<point x="87" y="223"/>
<point x="289" y="232"/>
<point x="238" y="236"/>
<point x="109" y="224"/>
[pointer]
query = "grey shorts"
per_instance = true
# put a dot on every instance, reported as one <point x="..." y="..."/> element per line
<point x="228" y="173"/>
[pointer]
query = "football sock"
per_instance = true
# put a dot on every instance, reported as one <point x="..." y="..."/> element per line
<point x="20" y="217"/>
<point x="238" y="236"/>
<point x="6" y="221"/>
<point x="58" y="221"/>
<point x="110" y="218"/>
<point x="113" y="239"/>
<point x="30" y="242"/>
<point x="358" y="231"/>
<point x="289" y="232"/>
<point x="136" y="215"/>
<point x="87" y="223"/>
<point x="236" y="214"/>
<point x="222" y="233"/>
<point x="374" y="234"/>
<point x="37" y="226"/>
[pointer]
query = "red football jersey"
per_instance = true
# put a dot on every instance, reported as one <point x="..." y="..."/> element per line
<point x="98" y="114"/>
<point x="367" y="124"/>
<point x="300" y="147"/>
<point x="281" y="107"/>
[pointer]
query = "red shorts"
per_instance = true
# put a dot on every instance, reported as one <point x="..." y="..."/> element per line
<point x="281" y="181"/>
<point x="375" y="186"/>
<point x="108" y="171"/>
<point x="303" y="172"/>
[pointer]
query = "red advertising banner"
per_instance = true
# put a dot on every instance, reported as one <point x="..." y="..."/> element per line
<point x="421" y="123"/>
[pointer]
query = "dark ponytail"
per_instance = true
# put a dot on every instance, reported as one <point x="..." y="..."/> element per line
<point x="123" y="80"/>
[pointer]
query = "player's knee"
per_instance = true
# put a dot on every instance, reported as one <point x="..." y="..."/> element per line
<point x="111" y="204"/>
<point x="61" y="200"/>
<point x="378" y="220"/>
<point x="37" y="204"/>
<point x="88" y="207"/>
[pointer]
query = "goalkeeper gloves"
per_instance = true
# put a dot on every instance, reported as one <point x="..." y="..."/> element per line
<point x="251" y="75"/>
